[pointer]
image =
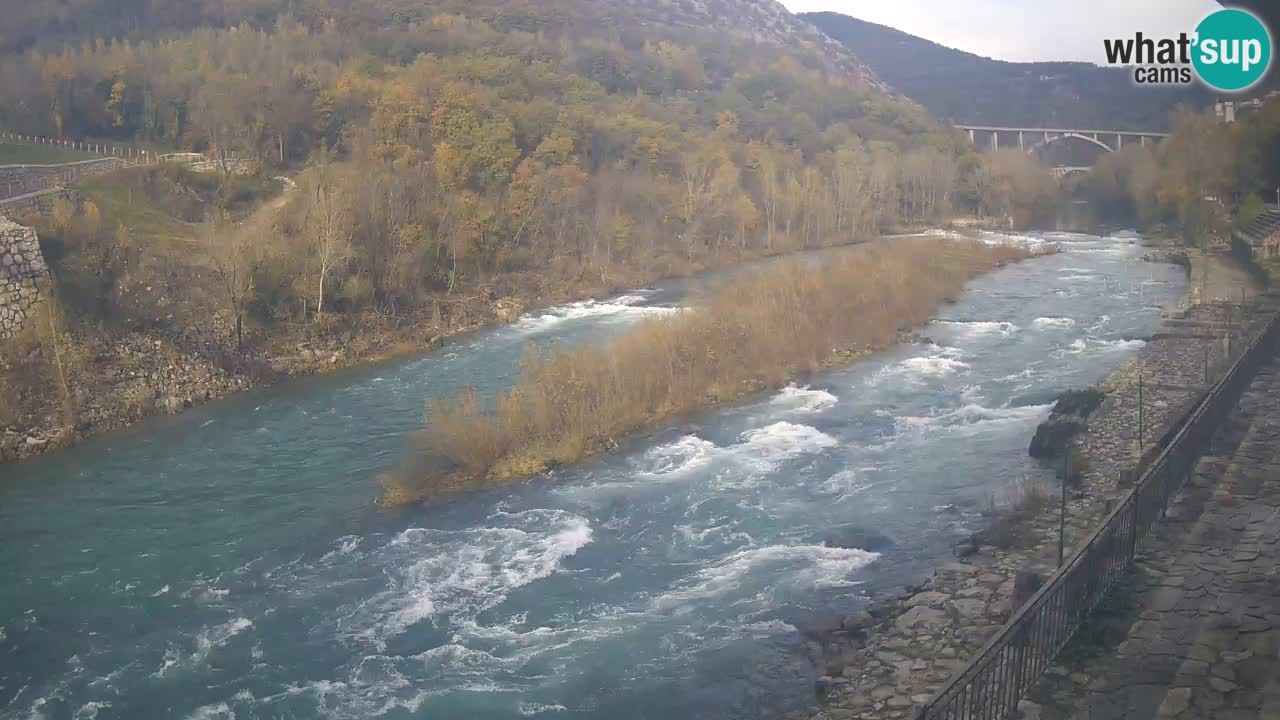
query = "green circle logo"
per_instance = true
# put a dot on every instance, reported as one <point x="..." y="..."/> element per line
<point x="1232" y="50"/>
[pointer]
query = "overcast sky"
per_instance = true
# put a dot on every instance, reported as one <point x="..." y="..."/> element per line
<point x="1024" y="30"/>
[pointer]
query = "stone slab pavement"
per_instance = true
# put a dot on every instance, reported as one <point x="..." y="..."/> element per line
<point x="1206" y="639"/>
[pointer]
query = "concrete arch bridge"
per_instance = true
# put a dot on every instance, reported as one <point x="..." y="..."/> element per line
<point x="1034" y="139"/>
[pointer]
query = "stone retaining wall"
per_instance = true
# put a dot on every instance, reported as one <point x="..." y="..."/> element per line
<point x="23" y="276"/>
<point x="17" y="180"/>
<point x="41" y="201"/>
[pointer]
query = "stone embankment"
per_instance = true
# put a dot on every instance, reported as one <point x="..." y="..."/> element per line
<point x="23" y="276"/>
<point x="1203" y="632"/>
<point x="883" y="662"/>
<point x="119" y="380"/>
<point x="115" y="385"/>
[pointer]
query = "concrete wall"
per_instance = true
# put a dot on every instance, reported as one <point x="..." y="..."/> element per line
<point x="23" y="276"/>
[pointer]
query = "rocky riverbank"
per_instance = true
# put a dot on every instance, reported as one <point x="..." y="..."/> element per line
<point x="135" y="376"/>
<point x="892" y="657"/>
<point x="117" y="382"/>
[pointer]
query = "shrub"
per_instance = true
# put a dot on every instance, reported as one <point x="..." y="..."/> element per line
<point x="1250" y="209"/>
<point x="1013" y="509"/>
<point x="751" y="334"/>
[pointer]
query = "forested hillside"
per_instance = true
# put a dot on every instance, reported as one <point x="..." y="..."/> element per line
<point x="457" y="160"/>
<point x="961" y="87"/>
<point x="1197" y="180"/>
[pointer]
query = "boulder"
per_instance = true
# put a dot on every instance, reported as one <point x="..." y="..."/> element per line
<point x="857" y="621"/>
<point x="927" y="598"/>
<point x="969" y="609"/>
<point x="853" y="537"/>
<point x="1080" y="403"/>
<point x="921" y="618"/>
<point x="965" y="548"/>
<point x="1054" y="436"/>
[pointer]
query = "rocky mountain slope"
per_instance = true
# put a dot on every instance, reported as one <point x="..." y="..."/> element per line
<point x="961" y="87"/>
<point x="762" y="21"/>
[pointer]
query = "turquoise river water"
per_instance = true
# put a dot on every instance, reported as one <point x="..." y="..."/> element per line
<point x="229" y="562"/>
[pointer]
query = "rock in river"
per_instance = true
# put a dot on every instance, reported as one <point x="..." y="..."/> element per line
<point x="853" y="537"/>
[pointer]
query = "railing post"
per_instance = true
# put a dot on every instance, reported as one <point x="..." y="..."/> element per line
<point x="1140" y="418"/>
<point x="1062" y="515"/>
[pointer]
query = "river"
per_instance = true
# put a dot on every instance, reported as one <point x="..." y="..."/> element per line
<point x="229" y="563"/>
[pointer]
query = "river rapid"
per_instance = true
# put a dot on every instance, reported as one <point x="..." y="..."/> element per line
<point x="229" y="563"/>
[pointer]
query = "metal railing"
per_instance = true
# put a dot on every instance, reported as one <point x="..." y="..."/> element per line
<point x="1012" y="661"/>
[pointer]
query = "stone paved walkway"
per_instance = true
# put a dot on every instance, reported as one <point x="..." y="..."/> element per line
<point x="1206" y="641"/>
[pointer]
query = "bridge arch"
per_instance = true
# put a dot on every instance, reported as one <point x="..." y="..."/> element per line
<point x="1073" y="135"/>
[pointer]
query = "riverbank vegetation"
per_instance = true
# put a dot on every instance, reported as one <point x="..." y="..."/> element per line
<point x="745" y="337"/>
<point x="1195" y="182"/>
<point x="457" y="164"/>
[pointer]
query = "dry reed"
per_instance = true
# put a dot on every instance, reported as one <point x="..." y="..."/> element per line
<point x="748" y="336"/>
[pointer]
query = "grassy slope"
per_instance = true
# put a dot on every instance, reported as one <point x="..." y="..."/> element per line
<point x="22" y="154"/>
<point x="122" y="199"/>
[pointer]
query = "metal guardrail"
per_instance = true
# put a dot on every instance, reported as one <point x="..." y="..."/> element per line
<point x="994" y="682"/>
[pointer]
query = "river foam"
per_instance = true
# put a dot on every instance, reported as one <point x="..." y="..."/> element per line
<point x="1053" y="323"/>
<point x="811" y="566"/>
<point x="455" y="576"/>
<point x="978" y="328"/>
<point x="933" y="366"/>
<point x="803" y="400"/>
<point x="969" y="419"/>
<point x="768" y="446"/>
<point x="622" y="306"/>
<point x="757" y="450"/>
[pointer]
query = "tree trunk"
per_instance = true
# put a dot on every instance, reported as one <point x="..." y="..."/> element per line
<point x="320" y="299"/>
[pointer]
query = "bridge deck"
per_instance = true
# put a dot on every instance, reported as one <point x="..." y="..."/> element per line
<point x="1125" y="133"/>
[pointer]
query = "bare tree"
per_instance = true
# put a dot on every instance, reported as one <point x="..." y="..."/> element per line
<point x="328" y="225"/>
<point x="236" y="260"/>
